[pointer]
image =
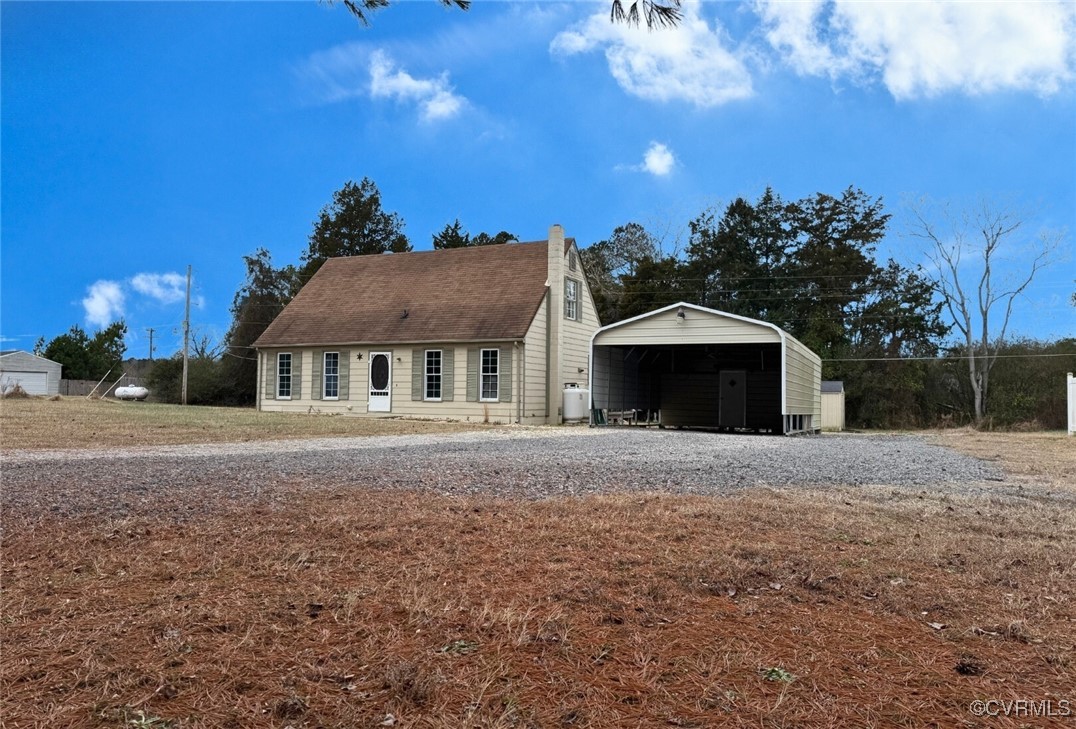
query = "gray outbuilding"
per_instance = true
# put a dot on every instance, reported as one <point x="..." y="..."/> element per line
<point x="688" y="366"/>
<point x="36" y="375"/>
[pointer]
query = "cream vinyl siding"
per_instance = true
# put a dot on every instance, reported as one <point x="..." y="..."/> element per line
<point x="576" y="334"/>
<point x="803" y="373"/>
<point x="357" y="384"/>
<point x="832" y="411"/>
<point x="534" y="366"/>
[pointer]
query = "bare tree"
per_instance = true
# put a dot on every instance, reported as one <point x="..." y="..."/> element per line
<point x="982" y="260"/>
<point x="203" y="346"/>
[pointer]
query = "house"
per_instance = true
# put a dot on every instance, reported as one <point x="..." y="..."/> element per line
<point x="489" y="333"/>
<point x="704" y="368"/>
<point x="36" y="375"/>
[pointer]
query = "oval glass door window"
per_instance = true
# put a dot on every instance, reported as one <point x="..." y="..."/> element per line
<point x="379" y="372"/>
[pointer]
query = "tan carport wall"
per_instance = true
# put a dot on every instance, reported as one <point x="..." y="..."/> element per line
<point x="688" y="366"/>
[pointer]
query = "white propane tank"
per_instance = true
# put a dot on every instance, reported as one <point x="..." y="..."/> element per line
<point x="576" y="400"/>
<point x="132" y="392"/>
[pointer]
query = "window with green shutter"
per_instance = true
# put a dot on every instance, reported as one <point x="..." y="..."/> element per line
<point x="283" y="376"/>
<point x="432" y="375"/>
<point x="490" y="376"/>
<point x="330" y="376"/>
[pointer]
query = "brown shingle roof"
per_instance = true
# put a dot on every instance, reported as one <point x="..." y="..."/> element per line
<point x="462" y="294"/>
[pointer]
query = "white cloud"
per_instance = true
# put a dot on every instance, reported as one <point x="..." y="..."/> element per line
<point x="167" y="288"/>
<point x="927" y="48"/>
<point x="686" y="63"/>
<point x="103" y="303"/>
<point x="434" y="96"/>
<point x="352" y="70"/>
<point x="658" y="160"/>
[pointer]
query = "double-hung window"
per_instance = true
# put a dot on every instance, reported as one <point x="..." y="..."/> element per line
<point x="283" y="375"/>
<point x="571" y="299"/>
<point x="490" y="376"/>
<point x="432" y="378"/>
<point x="331" y="376"/>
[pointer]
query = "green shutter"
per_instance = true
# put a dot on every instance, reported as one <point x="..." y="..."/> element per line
<point x="270" y="375"/>
<point x="297" y="376"/>
<point x="504" y="363"/>
<point x="418" y="361"/>
<point x="448" y="373"/>
<point x="473" y="358"/>
<point x="345" y="373"/>
<point x="315" y="374"/>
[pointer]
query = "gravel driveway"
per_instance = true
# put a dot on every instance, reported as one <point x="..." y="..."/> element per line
<point x="530" y="463"/>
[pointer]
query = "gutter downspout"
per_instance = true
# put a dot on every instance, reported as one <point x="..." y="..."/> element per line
<point x="548" y="347"/>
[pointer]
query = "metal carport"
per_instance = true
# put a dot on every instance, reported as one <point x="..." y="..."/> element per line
<point x="688" y="366"/>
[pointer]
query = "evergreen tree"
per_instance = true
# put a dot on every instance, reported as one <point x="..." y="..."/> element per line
<point x="88" y="358"/>
<point x="353" y="224"/>
<point x="454" y="236"/>
<point x="740" y="263"/>
<point x="264" y="294"/>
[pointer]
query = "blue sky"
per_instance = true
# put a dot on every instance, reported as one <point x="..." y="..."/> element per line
<point x="139" y="138"/>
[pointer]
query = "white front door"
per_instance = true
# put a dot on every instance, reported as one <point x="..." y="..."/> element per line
<point x="380" y="382"/>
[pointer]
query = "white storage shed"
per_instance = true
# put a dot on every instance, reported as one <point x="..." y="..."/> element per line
<point x="832" y="405"/>
<point x="36" y="375"/>
<point x="688" y="366"/>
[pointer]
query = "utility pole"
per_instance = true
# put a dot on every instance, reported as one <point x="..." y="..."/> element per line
<point x="186" y="334"/>
<point x="150" y="330"/>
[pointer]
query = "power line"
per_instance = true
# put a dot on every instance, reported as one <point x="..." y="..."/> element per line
<point x="236" y="356"/>
<point x="942" y="358"/>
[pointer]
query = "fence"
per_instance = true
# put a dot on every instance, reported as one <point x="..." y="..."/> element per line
<point x="1072" y="404"/>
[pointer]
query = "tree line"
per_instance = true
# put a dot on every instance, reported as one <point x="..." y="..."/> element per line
<point x="886" y="330"/>
<point x="809" y="266"/>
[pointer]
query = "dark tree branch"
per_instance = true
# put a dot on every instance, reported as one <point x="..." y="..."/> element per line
<point x="361" y="9"/>
<point x="655" y="13"/>
<point x="663" y="14"/>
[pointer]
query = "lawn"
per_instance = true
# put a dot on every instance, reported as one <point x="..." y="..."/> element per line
<point x="771" y="608"/>
<point x="75" y="422"/>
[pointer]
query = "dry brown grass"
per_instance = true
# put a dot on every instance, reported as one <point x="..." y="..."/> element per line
<point x="1042" y="457"/>
<point x="793" y="608"/>
<point x="80" y="423"/>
